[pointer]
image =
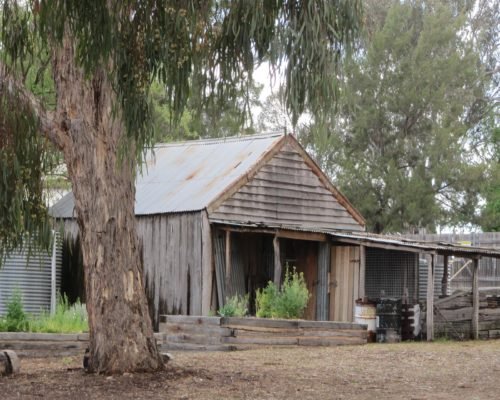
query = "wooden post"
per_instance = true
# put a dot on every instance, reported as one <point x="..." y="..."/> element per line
<point x="444" y="282"/>
<point x="475" y="299"/>
<point x="228" y="265"/>
<point x="430" y="297"/>
<point x="417" y="277"/>
<point x="207" y="266"/>
<point x="277" y="262"/>
<point x="53" y="276"/>
<point x="362" y="271"/>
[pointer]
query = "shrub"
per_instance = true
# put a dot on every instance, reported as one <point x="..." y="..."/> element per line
<point x="236" y="306"/>
<point x="264" y="300"/>
<point x="16" y="319"/>
<point x="288" y="302"/>
<point x="293" y="296"/>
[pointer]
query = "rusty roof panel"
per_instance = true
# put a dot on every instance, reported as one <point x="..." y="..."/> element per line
<point x="187" y="176"/>
<point x="375" y="240"/>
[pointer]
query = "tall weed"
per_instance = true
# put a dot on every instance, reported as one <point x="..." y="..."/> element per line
<point x="236" y="306"/>
<point x="16" y="320"/>
<point x="67" y="318"/>
<point x="288" y="302"/>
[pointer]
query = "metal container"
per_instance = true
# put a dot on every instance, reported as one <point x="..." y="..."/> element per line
<point x="389" y="320"/>
<point x="389" y="314"/>
<point x="32" y="276"/>
<point x="365" y="313"/>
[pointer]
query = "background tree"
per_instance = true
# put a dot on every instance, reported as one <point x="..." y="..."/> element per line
<point x="403" y="147"/>
<point x="103" y="57"/>
<point x="490" y="218"/>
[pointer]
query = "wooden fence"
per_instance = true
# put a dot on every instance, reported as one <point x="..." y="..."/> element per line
<point x="460" y="269"/>
<point x="453" y="315"/>
<point x="215" y="333"/>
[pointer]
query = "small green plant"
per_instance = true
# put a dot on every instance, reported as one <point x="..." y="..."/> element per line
<point x="288" y="302"/>
<point x="16" y="319"/>
<point x="236" y="306"/>
<point x="264" y="300"/>
<point x="67" y="318"/>
<point x="293" y="296"/>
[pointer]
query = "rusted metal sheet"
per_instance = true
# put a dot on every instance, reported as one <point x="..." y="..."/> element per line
<point x="187" y="176"/>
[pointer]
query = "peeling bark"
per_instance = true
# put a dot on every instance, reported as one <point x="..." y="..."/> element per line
<point x="121" y="333"/>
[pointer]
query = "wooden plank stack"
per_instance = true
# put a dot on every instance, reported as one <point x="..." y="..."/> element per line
<point x="214" y="333"/>
<point x="44" y="344"/>
<point x="453" y="315"/>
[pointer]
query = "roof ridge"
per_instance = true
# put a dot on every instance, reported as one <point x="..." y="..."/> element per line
<point x="209" y="141"/>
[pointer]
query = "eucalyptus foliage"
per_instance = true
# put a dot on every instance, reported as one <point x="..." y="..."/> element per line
<point x="204" y="50"/>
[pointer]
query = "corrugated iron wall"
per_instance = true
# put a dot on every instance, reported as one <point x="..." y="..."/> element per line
<point x="31" y="276"/>
<point x="390" y="271"/>
<point x="322" y="300"/>
<point x="237" y="276"/>
<point x="438" y="278"/>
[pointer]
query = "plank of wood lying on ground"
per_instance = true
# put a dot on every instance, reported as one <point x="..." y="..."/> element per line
<point x="43" y="353"/>
<point x="63" y="337"/>
<point x="330" y="325"/>
<point x="189" y="319"/>
<point x="323" y="341"/>
<point x="230" y="322"/>
<point x="42" y="345"/>
<point x="259" y="330"/>
<point x="172" y="328"/>
<point x="333" y="333"/>
<point x="188" y="338"/>
<point x="197" y="347"/>
<point x="262" y="340"/>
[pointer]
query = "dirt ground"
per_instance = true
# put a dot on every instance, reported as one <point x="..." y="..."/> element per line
<point x="414" y="371"/>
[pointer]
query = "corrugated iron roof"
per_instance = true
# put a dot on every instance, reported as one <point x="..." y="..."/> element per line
<point x="418" y="245"/>
<point x="377" y="240"/>
<point x="187" y="176"/>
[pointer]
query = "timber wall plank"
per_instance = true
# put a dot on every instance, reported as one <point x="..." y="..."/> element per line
<point x="234" y="333"/>
<point x="173" y="257"/>
<point x="286" y="191"/>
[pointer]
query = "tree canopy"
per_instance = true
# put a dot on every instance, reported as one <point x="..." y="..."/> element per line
<point x="405" y="145"/>
<point x="102" y="58"/>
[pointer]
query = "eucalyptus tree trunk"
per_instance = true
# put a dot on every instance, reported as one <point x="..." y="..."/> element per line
<point x="121" y="333"/>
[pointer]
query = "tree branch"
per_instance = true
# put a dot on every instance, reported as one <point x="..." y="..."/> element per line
<point x="10" y="86"/>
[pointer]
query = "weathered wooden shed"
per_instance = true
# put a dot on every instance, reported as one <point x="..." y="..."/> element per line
<point x="224" y="216"/>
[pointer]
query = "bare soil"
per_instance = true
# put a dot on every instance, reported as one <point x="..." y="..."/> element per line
<point x="442" y="370"/>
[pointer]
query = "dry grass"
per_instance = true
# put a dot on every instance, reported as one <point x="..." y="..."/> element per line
<point x="443" y="370"/>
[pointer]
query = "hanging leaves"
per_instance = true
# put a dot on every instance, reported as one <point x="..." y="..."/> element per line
<point x="194" y="48"/>
<point x="24" y="160"/>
